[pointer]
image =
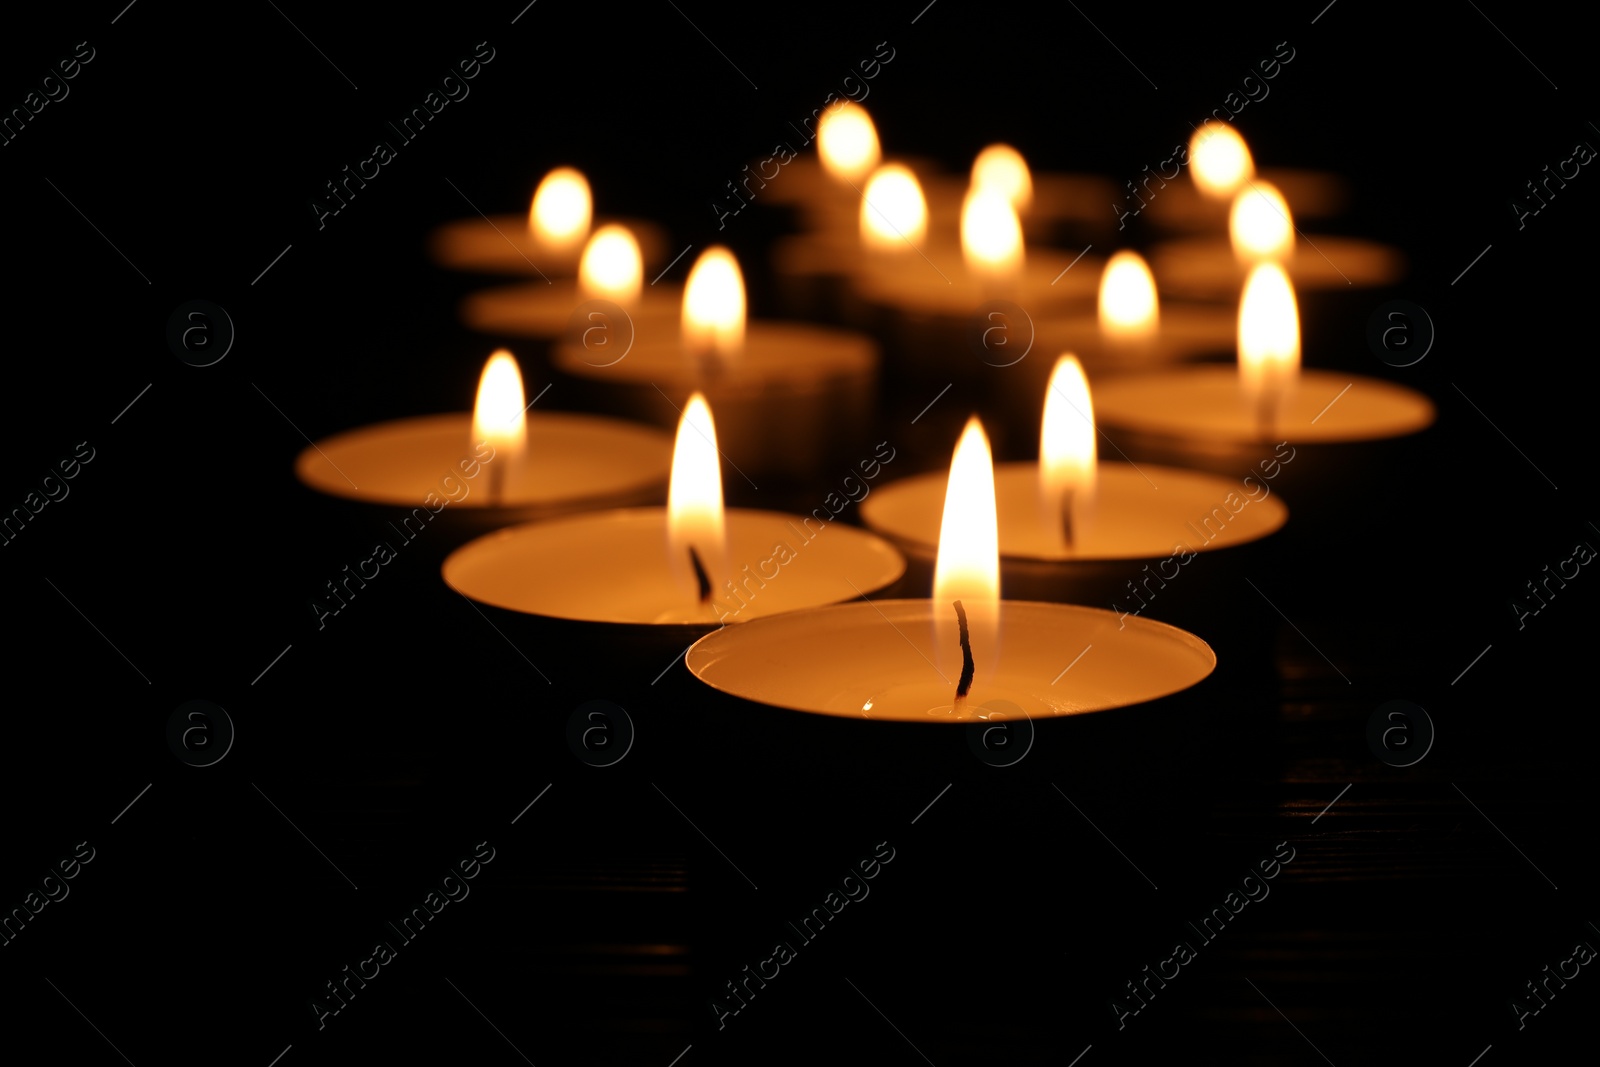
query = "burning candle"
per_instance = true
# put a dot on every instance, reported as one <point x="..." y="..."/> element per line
<point x="1129" y="329"/>
<point x="1220" y="167"/>
<point x="610" y="280"/>
<point x="789" y="396"/>
<point x="495" y="464"/>
<point x="545" y="242"/>
<point x="1220" y="417"/>
<point x="964" y="656"/>
<point x="892" y="224"/>
<point x="1071" y="526"/>
<point x="1261" y="228"/>
<point x="679" y="570"/>
<point x="1044" y="202"/>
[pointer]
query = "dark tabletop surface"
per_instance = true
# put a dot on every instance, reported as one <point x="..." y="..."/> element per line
<point x="1438" y="912"/>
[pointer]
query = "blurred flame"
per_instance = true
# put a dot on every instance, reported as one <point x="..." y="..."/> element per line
<point x="499" y="414"/>
<point x="694" y="500"/>
<point x="1260" y="225"/>
<point x="714" y="308"/>
<point x="611" y="267"/>
<point x="1219" y="159"/>
<point x="1129" y="310"/>
<point x="847" y="142"/>
<point x="1067" y="450"/>
<point x="1002" y="168"/>
<point x="561" y="210"/>
<point x="1269" y="335"/>
<point x="894" y="215"/>
<point x="991" y="236"/>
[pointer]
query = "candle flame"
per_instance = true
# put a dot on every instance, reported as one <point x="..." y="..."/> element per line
<point x="1129" y="310"/>
<point x="968" y="564"/>
<point x="713" y="307"/>
<point x="967" y="570"/>
<point x="1219" y="159"/>
<point x="894" y="215"/>
<point x="694" y="505"/>
<point x="847" y="142"/>
<point x="1260" y="225"/>
<point x="562" y="207"/>
<point x="1002" y="168"/>
<point x="499" y="415"/>
<point x="991" y="236"/>
<point x="1067" y="451"/>
<point x="612" y="267"/>
<point x="1269" y="336"/>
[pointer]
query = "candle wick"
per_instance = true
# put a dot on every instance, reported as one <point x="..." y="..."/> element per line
<point x="702" y="579"/>
<point x="1066" y="518"/>
<point x="967" y="666"/>
<point x="1266" y="409"/>
<point x="496" y="483"/>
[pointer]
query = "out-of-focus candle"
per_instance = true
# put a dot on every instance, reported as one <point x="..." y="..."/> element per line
<point x="1219" y="160"/>
<point x="609" y="286"/>
<point x="545" y="241"/>
<point x="1002" y="168"/>
<point x="788" y="396"/>
<point x="1259" y="224"/>
<point x="894" y="216"/>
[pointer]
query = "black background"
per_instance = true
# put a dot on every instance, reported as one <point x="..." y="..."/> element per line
<point x="406" y="731"/>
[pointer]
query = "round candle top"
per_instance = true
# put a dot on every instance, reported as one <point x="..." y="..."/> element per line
<point x="1170" y="200"/>
<point x="561" y="306"/>
<point x="1210" y="402"/>
<point x="940" y="281"/>
<point x="776" y="355"/>
<point x="568" y="459"/>
<point x="1139" y="512"/>
<point x="504" y="244"/>
<point x="613" y="567"/>
<point x="878" y="661"/>
<point x="1209" y="266"/>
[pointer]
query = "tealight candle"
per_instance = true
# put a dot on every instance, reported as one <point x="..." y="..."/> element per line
<point x="814" y="269"/>
<point x="1220" y="164"/>
<point x="938" y="307"/>
<point x="677" y="571"/>
<point x="964" y="656"/>
<point x="1219" y="417"/>
<point x="546" y="242"/>
<point x="827" y="188"/>
<point x="505" y="463"/>
<point x="1043" y="201"/>
<point x="788" y="396"/>
<point x="1261" y="227"/>
<point x="1073" y="527"/>
<point x="610" y="274"/>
